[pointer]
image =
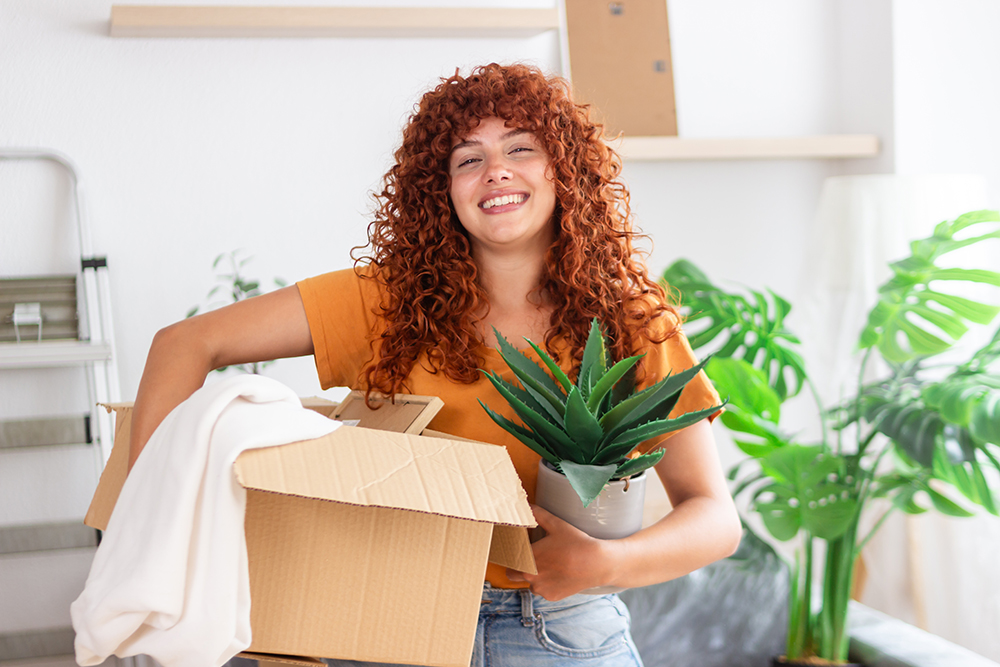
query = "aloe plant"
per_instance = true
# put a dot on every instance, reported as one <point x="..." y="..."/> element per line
<point x="587" y="429"/>
<point x="926" y="435"/>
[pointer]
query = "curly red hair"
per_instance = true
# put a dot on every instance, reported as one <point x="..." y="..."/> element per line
<point x="433" y="299"/>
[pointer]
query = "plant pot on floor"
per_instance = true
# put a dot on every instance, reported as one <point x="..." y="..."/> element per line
<point x="616" y="512"/>
<point x="811" y="662"/>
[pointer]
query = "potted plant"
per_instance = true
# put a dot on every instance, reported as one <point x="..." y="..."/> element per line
<point x="585" y="431"/>
<point x="925" y="435"/>
<point x="235" y="287"/>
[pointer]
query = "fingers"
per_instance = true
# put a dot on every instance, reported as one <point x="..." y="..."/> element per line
<point x="515" y="575"/>
<point x="545" y="518"/>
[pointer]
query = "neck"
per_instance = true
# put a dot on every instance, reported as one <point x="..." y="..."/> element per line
<point x="511" y="282"/>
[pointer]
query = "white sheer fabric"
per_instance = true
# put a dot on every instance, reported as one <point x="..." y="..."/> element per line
<point x="933" y="571"/>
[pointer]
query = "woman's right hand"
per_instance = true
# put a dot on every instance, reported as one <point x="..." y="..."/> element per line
<point x="270" y="326"/>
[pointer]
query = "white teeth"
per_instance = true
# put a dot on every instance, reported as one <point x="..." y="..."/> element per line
<point x="502" y="201"/>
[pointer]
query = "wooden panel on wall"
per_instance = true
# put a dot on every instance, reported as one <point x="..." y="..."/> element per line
<point x="620" y="63"/>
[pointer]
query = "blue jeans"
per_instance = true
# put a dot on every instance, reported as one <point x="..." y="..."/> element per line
<point x="518" y="629"/>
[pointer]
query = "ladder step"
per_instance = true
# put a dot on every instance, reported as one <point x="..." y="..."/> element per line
<point x="46" y="537"/>
<point x="36" y="644"/>
<point x="43" y="432"/>
<point x="46" y="354"/>
<point x="57" y="299"/>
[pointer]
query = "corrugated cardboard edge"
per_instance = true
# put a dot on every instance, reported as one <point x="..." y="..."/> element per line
<point x="265" y="659"/>
<point x="401" y="471"/>
<point x="510" y="546"/>
<point x="115" y="471"/>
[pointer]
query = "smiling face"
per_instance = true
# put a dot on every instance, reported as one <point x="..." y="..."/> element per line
<point x="501" y="188"/>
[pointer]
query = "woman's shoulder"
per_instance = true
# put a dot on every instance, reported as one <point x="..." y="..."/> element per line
<point x="353" y="290"/>
<point x="364" y="277"/>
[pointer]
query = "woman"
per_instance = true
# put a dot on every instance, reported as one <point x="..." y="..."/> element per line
<point x="503" y="210"/>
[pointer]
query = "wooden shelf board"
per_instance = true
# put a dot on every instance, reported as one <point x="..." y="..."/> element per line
<point x="764" y="148"/>
<point x="467" y="22"/>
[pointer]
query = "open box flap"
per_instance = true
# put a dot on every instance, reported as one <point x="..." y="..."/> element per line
<point x="361" y="466"/>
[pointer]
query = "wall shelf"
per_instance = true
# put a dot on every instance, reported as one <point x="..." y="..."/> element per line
<point x="648" y="149"/>
<point x="432" y="22"/>
<point x="459" y="22"/>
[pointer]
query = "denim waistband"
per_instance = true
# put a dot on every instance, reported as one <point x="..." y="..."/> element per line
<point x="523" y="602"/>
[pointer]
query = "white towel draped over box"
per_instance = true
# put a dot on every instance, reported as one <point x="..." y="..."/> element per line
<point x="170" y="577"/>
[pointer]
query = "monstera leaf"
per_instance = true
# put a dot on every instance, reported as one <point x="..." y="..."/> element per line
<point x="750" y="327"/>
<point x="909" y="309"/>
<point x="805" y="493"/>
<point x="754" y="408"/>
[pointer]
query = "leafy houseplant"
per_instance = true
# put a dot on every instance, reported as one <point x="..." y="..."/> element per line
<point x="924" y="435"/>
<point x="587" y="429"/>
<point x="234" y="287"/>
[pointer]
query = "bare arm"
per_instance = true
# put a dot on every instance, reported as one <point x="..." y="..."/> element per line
<point x="270" y="326"/>
<point x="702" y="527"/>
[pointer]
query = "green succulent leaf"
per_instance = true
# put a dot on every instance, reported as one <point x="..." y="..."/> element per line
<point x="582" y="426"/>
<point x="594" y="362"/>
<point x="611" y="378"/>
<point x="636" y="465"/>
<point x="654" y="403"/>
<point x="553" y="367"/>
<point x="626" y="441"/>
<point x="522" y="434"/>
<point x="529" y="397"/>
<point x="587" y="480"/>
<point x="524" y="367"/>
<point x="553" y="436"/>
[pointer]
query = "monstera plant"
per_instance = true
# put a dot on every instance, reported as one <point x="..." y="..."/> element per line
<point x="586" y="429"/>
<point x="925" y="435"/>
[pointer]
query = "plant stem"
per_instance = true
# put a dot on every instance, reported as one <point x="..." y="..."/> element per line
<point x="875" y="528"/>
<point x="799" y="609"/>
<point x="822" y="414"/>
<point x="867" y="481"/>
<point x="861" y="388"/>
<point x="837" y="579"/>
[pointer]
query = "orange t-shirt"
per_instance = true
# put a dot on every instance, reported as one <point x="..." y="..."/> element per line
<point x="341" y="309"/>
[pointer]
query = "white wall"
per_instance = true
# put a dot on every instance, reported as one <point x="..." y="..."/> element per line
<point x="192" y="147"/>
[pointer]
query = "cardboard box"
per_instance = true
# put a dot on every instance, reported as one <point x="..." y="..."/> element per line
<point x="367" y="544"/>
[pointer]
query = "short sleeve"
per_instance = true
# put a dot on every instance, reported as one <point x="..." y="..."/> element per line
<point x="339" y="308"/>
<point x="671" y="357"/>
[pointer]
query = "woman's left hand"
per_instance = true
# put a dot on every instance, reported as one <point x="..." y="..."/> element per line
<point x="568" y="560"/>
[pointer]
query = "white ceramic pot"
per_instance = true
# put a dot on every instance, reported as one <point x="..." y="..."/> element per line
<point x="616" y="512"/>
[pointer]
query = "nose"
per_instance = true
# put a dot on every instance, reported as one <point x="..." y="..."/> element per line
<point x="497" y="171"/>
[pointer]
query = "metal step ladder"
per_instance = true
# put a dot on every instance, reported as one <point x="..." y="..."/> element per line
<point x="50" y="322"/>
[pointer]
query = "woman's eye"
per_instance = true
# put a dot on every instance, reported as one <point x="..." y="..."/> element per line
<point x="521" y="149"/>
<point x="462" y="163"/>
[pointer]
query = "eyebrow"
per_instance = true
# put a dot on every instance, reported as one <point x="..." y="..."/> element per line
<point x="506" y="135"/>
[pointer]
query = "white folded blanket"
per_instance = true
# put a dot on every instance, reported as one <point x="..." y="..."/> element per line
<point x="170" y="577"/>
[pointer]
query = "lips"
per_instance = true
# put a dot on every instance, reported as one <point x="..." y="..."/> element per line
<point x="499" y="202"/>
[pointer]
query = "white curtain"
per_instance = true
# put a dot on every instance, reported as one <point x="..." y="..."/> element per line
<point x="932" y="571"/>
